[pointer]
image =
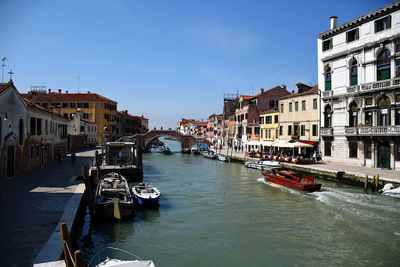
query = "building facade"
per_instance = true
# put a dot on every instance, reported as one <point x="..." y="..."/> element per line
<point x="269" y="128"/>
<point x="94" y="107"/>
<point x="359" y="75"/>
<point x="82" y="133"/>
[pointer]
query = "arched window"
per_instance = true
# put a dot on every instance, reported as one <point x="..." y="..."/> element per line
<point x="353" y="114"/>
<point x="353" y="73"/>
<point x="383" y="65"/>
<point x="328" y="84"/>
<point x="328" y="116"/>
<point x="21" y="132"/>
<point x="384" y="111"/>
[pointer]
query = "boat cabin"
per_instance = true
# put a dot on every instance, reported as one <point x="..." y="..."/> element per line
<point x="120" y="153"/>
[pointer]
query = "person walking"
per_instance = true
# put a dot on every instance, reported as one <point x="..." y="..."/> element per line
<point x="73" y="157"/>
<point x="382" y="161"/>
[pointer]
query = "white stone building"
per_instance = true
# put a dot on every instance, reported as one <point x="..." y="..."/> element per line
<point x="82" y="128"/>
<point x="359" y="76"/>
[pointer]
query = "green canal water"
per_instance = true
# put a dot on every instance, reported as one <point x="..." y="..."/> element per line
<point x="222" y="214"/>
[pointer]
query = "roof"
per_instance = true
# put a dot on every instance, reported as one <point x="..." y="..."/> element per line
<point x="65" y="96"/>
<point x="87" y="121"/>
<point x="263" y="92"/>
<point x="272" y="110"/>
<point x="30" y="104"/>
<point x="362" y="19"/>
<point x="313" y="90"/>
<point x="4" y="86"/>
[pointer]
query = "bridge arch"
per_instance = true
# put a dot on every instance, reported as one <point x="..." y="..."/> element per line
<point x="144" y="141"/>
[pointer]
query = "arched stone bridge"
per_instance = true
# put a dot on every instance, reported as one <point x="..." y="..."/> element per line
<point x="144" y="141"/>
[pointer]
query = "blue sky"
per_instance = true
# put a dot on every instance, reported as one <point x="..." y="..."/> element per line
<point x="167" y="59"/>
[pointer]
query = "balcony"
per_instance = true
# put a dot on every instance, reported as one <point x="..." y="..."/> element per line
<point x="373" y="131"/>
<point x="327" y="94"/>
<point x="353" y="89"/>
<point x="380" y="85"/>
<point x="326" y="132"/>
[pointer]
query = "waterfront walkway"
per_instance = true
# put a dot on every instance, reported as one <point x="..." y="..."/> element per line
<point x="31" y="206"/>
<point x="360" y="171"/>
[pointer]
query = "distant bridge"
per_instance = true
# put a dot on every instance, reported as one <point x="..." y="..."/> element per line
<point x="144" y="141"/>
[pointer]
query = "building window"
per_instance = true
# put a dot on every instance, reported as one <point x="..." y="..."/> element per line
<point x="328" y="148"/>
<point x="353" y="146"/>
<point x="352" y="35"/>
<point x="276" y="120"/>
<point x="261" y="120"/>
<point x="65" y="104"/>
<point x="44" y="105"/>
<point x="80" y="105"/>
<point x="46" y="125"/>
<point x="296" y="106"/>
<point x="383" y="24"/>
<point x="302" y="130"/>
<point x="290" y="107"/>
<point x="353" y="73"/>
<point x="82" y="129"/>
<point x="21" y="132"/>
<point x="327" y="44"/>
<point x="65" y="115"/>
<point x="33" y="126"/>
<point x="328" y="116"/>
<point x="31" y="155"/>
<point x="281" y="130"/>
<point x="368" y="101"/>
<point x="296" y="130"/>
<point x="315" y="103"/>
<point x="289" y="130"/>
<point x="281" y="108"/>
<point x="367" y="150"/>
<point x="368" y="118"/>
<point x="397" y="117"/>
<point x="268" y="119"/>
<point x="85" y="105"/>
<point x="328" y="78"/>
<point x="72" y="105"/>
<point x="314" y="130"/>
<point x="397" y="151"/>
<point x="397" y="68"/>
<point x="383" y="65"/>
<point x="85" y="115"/>
<point x="272" y="103"/>
<point x="383" y="115"/>
<point x="303" y="105"/>
<point x="353" y="115"/>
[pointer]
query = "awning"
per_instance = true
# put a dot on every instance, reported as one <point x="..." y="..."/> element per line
<point x="298" y="144"/>
<point x="309" y="142"/>
<point x="252" y="143"/>
<point x="280" y="143"/>
<point x="266" y="143"/>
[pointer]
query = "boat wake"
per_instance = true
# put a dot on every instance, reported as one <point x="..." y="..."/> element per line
<point x="284" y="188"/>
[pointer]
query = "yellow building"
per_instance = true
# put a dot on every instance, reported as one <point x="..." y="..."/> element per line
<point x="94" y="107"/>
<point x="269" y="127"/>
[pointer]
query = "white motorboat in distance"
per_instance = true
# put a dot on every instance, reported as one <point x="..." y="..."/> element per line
<point x="261" y="164"/>
<point x="389" y="190"/>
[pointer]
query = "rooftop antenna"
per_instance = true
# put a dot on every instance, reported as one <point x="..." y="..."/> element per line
<point x="78" y="83"/>
<point x="11" y="73"/>
<point x="3" y="65"/>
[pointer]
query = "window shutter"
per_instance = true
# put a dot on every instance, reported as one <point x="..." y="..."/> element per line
<point x="378" y="118"/>
<point x="389" y="122"/>
<point x="389" y="21"/>
<point x="357" y="33"/>
<point x="347" y="37"/>
<point x="330" y="43"/>
<point x="376" y="26"/>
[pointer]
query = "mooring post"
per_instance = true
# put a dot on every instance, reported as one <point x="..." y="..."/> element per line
<point x="67" y="247"/>
<point x="79" y="262"/>
<point x="373" y="183"/>
<point x="366" y="183"/>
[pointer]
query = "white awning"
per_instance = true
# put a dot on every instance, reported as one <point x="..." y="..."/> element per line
<point x="280" y="143"/>
<point x="252" y="143"/>
<point x="286" y="143"/>
<point x="266" y="143"/>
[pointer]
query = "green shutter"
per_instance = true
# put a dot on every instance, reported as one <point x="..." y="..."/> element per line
<point x="389" y="21"/>
<point x="347" y="37"/>
<point x="376" y="26"/>
<point x="330" y="43"/>
<point x="378" y="114"/>
<point x="357" y="33"/>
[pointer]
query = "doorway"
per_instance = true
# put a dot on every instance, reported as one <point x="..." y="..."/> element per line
<point x="10" y="161"/>
<point x="384" y="155"/>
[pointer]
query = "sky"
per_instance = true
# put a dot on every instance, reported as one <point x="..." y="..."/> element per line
<point x="167" y="60"/>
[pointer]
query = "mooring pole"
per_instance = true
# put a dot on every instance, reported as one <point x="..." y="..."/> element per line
<point x="366" y="183"/>
<point x="67" y="247"/>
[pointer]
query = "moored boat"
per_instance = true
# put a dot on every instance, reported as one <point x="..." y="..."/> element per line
<point x="103" y="258"/>
<point x="146" y="195"/>
<point x="223" y="158"/>
<point x="291" y="179"/>
<point x="262" y="164"/>
<point x="208" y="154"/>
<point x="165" y="151"/>
<point x="113" y="198"/>
<point x="391" y="191"/>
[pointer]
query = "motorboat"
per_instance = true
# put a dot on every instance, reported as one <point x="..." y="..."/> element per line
<point x="120" y="258"/>
<point x="390" y="190"/>
<point x="165" y="151"/>
<point x="208" y="154"/>
<point x="223" y="158"/>
<point x="291" y="179"/>
<point x="113" y="198"/>
<point x="262" y="164"/>
<point x="146" y="195"/>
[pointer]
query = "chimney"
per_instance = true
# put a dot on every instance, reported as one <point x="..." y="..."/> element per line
<point x="59" y="91"/>
<point x="333" y="22"/>
<point x="49" y="91"/>
<point x="262" y="90"/>
<point x="66" y="91"/>
<point x="284" y="86"/>
<point x="292" y="91"/>
<point x="88" y="92"/>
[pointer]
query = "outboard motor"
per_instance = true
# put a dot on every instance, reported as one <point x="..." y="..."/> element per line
<point x="386" y="188"/>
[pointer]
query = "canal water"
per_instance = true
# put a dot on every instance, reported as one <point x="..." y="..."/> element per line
<point x="222" y="214"/>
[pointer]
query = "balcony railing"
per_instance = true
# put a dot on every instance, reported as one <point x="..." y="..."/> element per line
<point x="379" y="85"/>
<point x="353" y="89"/>
<point x="372" y="131"/>
<point x="327" y="94"/>
<point x="326" y="131"/>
